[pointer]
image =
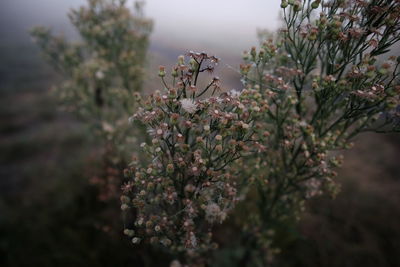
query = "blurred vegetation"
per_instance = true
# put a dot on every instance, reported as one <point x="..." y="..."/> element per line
<point x="49" y="212"/>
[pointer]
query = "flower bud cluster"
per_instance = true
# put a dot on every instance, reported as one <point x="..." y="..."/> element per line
<point x="189" y="183"/>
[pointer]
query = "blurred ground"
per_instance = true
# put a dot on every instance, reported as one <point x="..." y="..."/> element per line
<point x="49" y="214"/>
<point x="361" y="227"/>
<point x="49" y="211"/>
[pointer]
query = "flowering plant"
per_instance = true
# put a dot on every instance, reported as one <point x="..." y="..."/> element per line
<point x="307" y="93"/>
<point x="103" y="72"/>
<point x="189" y="182"/>
<point x="324" y="85"/>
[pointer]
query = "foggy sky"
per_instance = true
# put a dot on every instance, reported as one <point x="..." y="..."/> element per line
<point x="223" y="23"/>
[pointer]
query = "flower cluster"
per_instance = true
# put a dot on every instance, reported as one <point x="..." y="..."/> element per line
<point x="189" y="183"/>
<point x="324" y="84"/>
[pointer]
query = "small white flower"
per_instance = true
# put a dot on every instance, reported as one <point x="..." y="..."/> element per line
<point x="189" y="105"/>
<point x="160" y="132"/>
<point x="175" y="263"/>
<point x="108" y="128"/>
<point x="193" y="240"/>
<point x="124" y="207"/>
<point x="234" y="93"/>
<point x="214" y="213"/>
<point x="136" y="240"/>
<point x="99" y="75"/>
<point x="303" y="123"/>
<point x="245" y="126"/>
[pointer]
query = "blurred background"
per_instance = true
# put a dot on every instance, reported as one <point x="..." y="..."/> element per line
<point x="47" y="214"/>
